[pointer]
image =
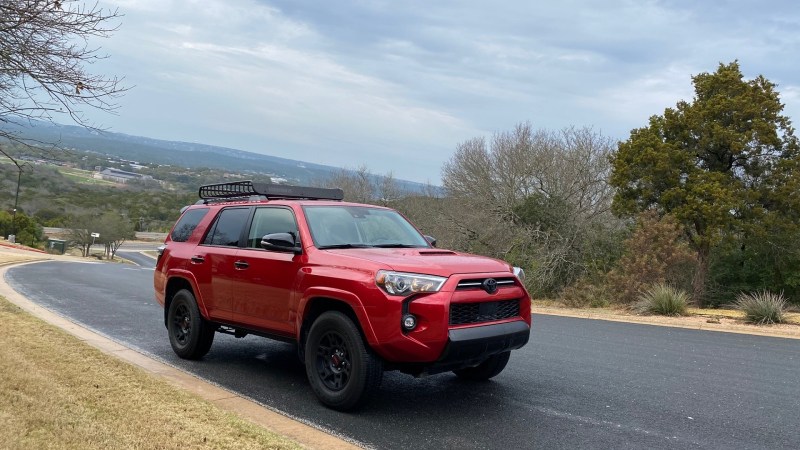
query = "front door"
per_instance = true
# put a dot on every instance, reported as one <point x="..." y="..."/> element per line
<point x="265" y="278"/>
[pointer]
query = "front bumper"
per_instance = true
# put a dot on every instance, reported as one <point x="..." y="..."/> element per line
<point x="468" y="347"/>
<point x="481" y="324"/>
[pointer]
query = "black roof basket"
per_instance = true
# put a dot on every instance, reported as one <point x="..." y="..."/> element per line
<point x="244" y="189"/>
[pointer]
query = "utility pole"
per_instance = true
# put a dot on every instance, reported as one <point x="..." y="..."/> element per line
<point x="16" y="201"/>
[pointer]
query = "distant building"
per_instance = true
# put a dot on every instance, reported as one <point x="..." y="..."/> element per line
<point x="37" y="160"/>
<point x="120" y="176"/>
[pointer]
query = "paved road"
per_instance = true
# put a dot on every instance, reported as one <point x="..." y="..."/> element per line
<point x="137" y="257"/>
<point x="140" y="245"/>
<point x="578" y="384"/>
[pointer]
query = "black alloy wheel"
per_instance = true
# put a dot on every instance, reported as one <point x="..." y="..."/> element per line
<point x="332" y="363"/>
<point x="182" y="323"/>
<point x="190" y="335"/>
<point x="342" y="370"/>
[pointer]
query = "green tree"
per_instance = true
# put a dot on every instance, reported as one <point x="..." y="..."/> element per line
<point x="114" y="230"/>
<point x="721" y="163"/>
<point x="765" y="259"/>
<point x="79" y="233"/>
<point x="28" y="232"/>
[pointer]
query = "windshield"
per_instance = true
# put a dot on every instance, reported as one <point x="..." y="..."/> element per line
<point x="360" y="226"/>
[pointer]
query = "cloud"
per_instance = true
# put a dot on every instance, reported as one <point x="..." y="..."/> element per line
<point x="790" y="96"/>
<point x="635" y="100"/>
<point x="399" y="84"/>
<point x="254" y="79"/>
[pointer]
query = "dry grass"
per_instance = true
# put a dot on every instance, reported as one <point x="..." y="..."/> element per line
<point x="729" y="313"/>
<point x="58" y="393"/>
<point x="7" y="257"/>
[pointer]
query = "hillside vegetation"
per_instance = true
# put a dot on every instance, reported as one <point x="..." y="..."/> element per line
<point x="701" y="200"/>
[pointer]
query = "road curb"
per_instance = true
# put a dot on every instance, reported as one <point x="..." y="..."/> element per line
<point x="305" y="435"/>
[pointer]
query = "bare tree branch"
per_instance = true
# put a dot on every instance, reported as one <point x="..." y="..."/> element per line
<point x="556" y="180"/>
<point x="44" y="58"/>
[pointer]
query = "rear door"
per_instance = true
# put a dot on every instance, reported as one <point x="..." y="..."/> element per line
<point x="214" y="261"/>
<point x="265" y="278"/>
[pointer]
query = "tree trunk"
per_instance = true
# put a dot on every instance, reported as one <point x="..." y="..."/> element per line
<point x="701" y="275"/>
<point x="115" y="245"/>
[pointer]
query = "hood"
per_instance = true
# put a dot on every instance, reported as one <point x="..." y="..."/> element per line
<point x="428" y="261"/>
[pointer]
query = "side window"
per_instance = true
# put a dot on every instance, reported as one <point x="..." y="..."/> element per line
<point x="187" y="223"/>
<point x="228" y="227"/>
<point x="270" y="220"/>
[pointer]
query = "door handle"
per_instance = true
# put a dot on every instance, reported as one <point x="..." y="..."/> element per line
<point x="198" y="259"/>
<point x="241" y="265"/>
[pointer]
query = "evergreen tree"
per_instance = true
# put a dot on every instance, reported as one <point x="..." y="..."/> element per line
<point x="725" y="162"/>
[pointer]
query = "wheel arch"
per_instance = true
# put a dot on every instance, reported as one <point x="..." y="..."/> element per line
<point x="175" y="284"/>
<point x="317" y="305"/>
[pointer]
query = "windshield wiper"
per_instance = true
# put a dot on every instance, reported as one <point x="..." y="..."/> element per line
<point x="335" y="246"/>
<point x="398" y="245"/>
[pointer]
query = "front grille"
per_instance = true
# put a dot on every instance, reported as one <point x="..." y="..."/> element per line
<point x="466" y="313"/>
<point x="476" y="283"/>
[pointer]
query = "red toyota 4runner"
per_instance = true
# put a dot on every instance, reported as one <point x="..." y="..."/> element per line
<point x="357" y="287"/>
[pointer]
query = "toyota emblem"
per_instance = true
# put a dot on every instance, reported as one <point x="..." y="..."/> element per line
<point x="489" y="285"/>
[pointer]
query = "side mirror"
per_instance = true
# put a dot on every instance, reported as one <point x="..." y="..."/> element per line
<point x="431" y="240"/>
<point x="281" y="242"/>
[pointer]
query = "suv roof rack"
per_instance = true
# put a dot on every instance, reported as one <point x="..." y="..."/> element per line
<point x="246" y="189"/>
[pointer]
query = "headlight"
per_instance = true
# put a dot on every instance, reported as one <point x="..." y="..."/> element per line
<point x="519" y="273"/>
<point x="399" y="283"/>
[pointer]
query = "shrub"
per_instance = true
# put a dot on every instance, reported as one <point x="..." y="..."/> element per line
<point x="28" y="231"/>
<point x="585" y="294"/>
<point x="762" y="307"/>
<point x="655" y="253"/>
<point x="664" y="300"/>
<point x="746" y="262"/>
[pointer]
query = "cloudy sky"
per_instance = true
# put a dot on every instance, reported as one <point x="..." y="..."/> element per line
<point x="396" y="85"/>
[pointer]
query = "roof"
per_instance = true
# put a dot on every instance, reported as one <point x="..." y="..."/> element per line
<point x="112" y="172"/>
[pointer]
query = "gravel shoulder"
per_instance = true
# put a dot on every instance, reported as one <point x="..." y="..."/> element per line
<point x="724" y="320"/>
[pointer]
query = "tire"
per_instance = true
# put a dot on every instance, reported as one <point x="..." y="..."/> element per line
<point x="342" y="370"/>
<point x="485" y="370"/>
<point x="190" y="334"/>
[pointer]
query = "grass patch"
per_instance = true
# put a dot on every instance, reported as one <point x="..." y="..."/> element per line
<point x="663" y="300"/>
<point x="762" y="307"/>
<point x="11" y="258"/>
<point x="58" y="393"/>
<point x="83" y="176"/>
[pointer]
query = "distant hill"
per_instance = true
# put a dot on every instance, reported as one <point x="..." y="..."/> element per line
<point x="182" y="154"/>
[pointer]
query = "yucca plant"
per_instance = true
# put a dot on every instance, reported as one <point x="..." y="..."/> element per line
<point x="664" y="300"/>
<point x="762" y="307"/>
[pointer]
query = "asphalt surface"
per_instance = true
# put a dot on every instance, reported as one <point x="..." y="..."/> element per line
<point x="137" y="258"/>
<point x="578" y="384"/>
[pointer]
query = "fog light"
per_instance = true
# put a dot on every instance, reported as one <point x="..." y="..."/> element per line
<point x="409" y="322"/>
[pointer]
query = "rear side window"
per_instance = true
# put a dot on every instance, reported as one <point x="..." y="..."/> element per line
<point x="187" y="223"/>
<point x="228" y="227"/>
